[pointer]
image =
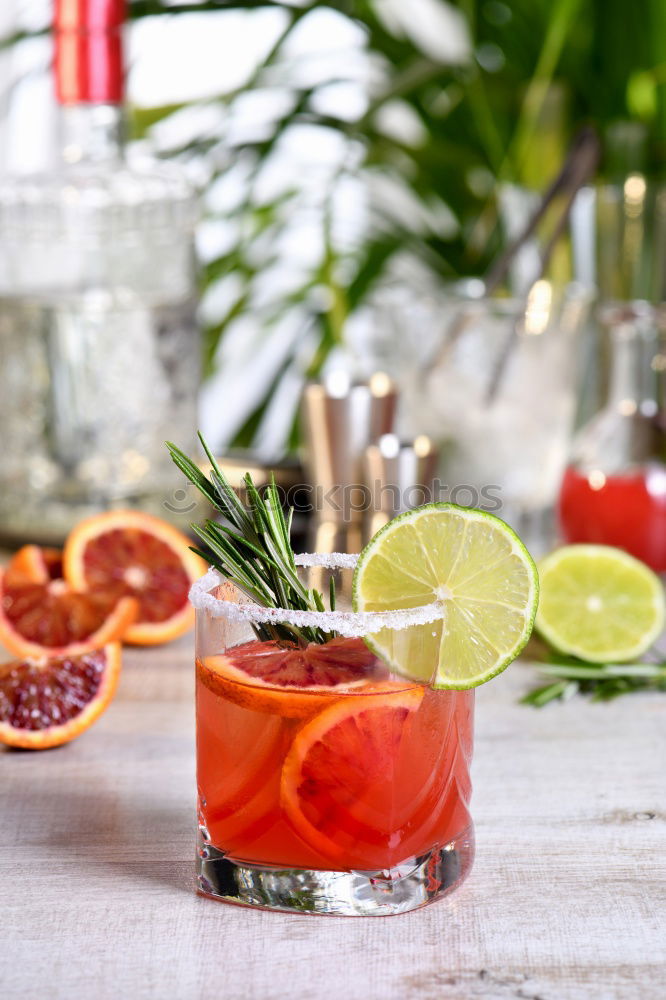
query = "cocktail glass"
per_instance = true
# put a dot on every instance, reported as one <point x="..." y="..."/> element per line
<point x="494" y="382"/>
<point x="349" y="796"/>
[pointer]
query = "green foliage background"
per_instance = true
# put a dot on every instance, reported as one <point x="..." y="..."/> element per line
<point x="535" y="70"/>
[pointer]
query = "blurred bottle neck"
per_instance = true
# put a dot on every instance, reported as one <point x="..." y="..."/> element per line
<point x="636" y="374"/>
<point x="626" y="375"/>
<point x="91" y="133"/>
<point x="89" y="77"/>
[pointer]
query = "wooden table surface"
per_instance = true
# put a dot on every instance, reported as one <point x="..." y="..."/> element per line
<point x="567" y="897"/>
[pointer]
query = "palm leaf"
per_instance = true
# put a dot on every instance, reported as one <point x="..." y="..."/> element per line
<point x="478" y="119"/>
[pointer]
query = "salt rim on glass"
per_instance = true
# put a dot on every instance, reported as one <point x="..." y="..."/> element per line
<point x="351" y="624"/>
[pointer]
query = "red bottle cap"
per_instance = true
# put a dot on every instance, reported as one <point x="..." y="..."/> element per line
<point x="88" y="51"/>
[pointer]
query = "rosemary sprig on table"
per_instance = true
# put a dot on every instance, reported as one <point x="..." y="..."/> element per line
<point x="253" y="549"/>
<point x="604" y="681"/>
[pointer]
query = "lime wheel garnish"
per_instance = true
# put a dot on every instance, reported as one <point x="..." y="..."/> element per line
<point x="48" y="701"/>
<point x="129" y="553"/>
<point x="41" y="615"/>
<point x="479" y="570"/>
<point x="290" y="680"/>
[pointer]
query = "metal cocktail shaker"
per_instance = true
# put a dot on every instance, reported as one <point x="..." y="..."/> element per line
<point x="340" y="419"/>
<point x="400" y="475"/>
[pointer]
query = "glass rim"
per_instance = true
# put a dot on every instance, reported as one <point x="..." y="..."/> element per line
<point x="350" y="624"/>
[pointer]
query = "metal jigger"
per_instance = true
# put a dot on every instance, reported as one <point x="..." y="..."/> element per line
<point x="399" y="476"/>
<point x="340" y="419"/>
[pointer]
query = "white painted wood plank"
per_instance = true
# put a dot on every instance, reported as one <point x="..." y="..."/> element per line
<point x="566" y="901"/>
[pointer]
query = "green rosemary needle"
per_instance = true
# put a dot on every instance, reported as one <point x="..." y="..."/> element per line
<point x="252" y="547"/>
<point x="603" y="681"/>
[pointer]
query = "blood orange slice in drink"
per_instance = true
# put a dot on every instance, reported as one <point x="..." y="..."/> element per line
<point x="290" y="680"/>
<point x="49" y="701"/>
<point x="129" y="553"/>
<point x="238" y="767"/>
<point x="345" y="785"/>
<point x="41" y="615"/>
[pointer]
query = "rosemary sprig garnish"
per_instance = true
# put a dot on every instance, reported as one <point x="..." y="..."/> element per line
<point x="253" y="549"/>
<point x="603" y="681"/>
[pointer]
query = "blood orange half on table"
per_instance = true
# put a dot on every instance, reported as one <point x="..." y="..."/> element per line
<point x="129" y="553"/>
<point x="49" y="701"/>
<point x="41" y="615"/>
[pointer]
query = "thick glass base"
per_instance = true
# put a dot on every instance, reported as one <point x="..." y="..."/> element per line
<point x="415" y="883"/>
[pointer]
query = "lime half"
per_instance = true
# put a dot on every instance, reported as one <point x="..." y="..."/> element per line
<point x="481" y="571"/>
<point x="599" y="603"/>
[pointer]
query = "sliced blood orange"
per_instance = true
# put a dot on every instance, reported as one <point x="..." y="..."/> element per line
<point x="33" y="564"/>
<point x="346" y="785"/>
<point x="41" y="615"/>
<point x="290" y="680"/>
<point x="129" y="553"/>
<point x="48" y="701"/>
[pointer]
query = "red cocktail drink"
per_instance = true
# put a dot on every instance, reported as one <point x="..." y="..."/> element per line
<point x="334" y="744"/>
<point x="369" y="777"/>
<point x="326" y="782"/>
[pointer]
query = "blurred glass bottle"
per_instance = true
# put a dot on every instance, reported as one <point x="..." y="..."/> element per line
<point x="99" y="351"/>
<point x="614" y="490"/>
